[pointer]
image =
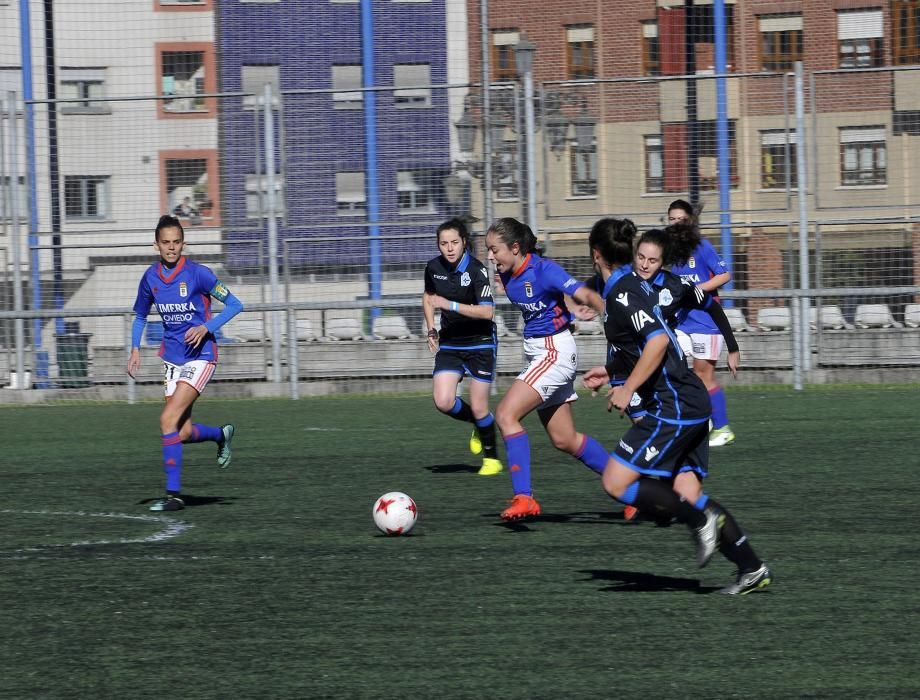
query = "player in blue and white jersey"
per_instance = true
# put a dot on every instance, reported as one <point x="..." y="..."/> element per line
<point x="181" y="291"/>
<point x="699" y="336"/>
<point x="458" y="285"/>
<point x="538" y="287"/>
<point x="674" y="431"/>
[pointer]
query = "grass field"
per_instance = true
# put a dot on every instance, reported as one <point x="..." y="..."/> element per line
<point x="282" y="588"/>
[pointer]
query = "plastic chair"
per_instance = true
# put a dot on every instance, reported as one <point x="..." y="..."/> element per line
<point x="304" y="329"/>
<point x="501" y="328"/>
<point x="391" y="327"/>
<point x="831" y="318"/>
<point x="912" y="315"/>
<point x="737" y="320"/>
<point x="344" y="329"/>
<point x="774" y="318"/>
<point x="875" y="316"/>
<point x="592" y="327"/>
<point x="247" y="328"/>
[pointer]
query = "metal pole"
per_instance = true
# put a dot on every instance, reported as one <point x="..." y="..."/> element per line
<point x="132" y="383"/>
<point x="488" y="207"/>
<point x="271" y="207"/>
<point x="375" y="284"/>
<point x="53" y="164"/>
<point x="530" y="151"/>
<point x="14" y="239"/>
<point x="803" y="216"/>
<point x="722" y="145"/>
<point x="693" y="143"/>
<point x="293" y="348"/>
<point x="40" y="357"/>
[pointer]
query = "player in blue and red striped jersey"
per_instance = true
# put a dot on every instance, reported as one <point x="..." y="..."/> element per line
<point x="538" y="287"/>
<point x="181" y="291"/>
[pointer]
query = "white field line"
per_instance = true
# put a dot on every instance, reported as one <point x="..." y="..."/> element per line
<point x="171" y="529"/>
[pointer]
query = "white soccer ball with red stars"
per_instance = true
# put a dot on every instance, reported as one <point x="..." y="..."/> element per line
<point x="395" y="513"/>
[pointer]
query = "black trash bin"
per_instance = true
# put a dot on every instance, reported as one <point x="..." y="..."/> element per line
<point x="73" y="358"/>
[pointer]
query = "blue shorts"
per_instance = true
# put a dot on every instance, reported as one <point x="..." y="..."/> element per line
<point x="655" y="448"/>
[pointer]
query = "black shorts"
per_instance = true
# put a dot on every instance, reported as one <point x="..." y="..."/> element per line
<point x="478" y="363"/>
<point x="655" y="448"/>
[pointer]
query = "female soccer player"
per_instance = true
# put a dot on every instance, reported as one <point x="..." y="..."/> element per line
<point x="458" y="285"/>
<point x="182" y="292"/>
<point x="671" y="439"/>
<point x="698" y="334"/>
<point x="537" y="286"/>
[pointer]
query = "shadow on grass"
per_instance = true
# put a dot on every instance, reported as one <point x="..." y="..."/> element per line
<point x="452" y="468"/>
<point x="587" y="517"/>
<point x="193" y="501"/>
<point x="637" y="582"/>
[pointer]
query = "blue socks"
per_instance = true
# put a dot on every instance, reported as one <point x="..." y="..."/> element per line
<point x="719" y="409"/>
<point x="592" y="455"/>
<point x="172" y="462"/>
<point x="517" y="447"/>
<point x="205" y="433"/>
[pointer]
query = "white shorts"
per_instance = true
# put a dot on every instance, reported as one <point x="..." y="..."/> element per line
<point x="701" y="346"/>
<point x="552" y="369"/>
<point x="197" y="373"/>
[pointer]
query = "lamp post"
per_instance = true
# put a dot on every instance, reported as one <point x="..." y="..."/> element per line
<point x="523" y="57"/>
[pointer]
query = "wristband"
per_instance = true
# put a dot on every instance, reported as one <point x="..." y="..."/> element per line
<point x="433" y="333"/>
<point x="454" y="306"/>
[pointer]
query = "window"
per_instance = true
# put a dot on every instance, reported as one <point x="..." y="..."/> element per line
<point x="11" y="81"/>
<point x="254" y="79"/>
<point x="654" y="164"/>
<point x="651" y="54"/>
<point x="780" y="42"/>
<point x="777" y="160"/>
<point x="85" y="84"/>
<point x="905" y="32"/>
<point x="859" y="36"/>
<point x="184" y="5"/>
<point x="505" y="172"/>
<point x="86" y="197"/>
<point x="413" y="192"/>
<point x="183" y="75"/>
<point x="257" y="193"/>
<point x="503" y="64"/>
<point x="583" y="170"/>
<point x="190" y="185"/>
<point x="701" y="30"/>
<point x="580" y="51"/>
<point x="412" y="75"/>
<point x="863" y="157"/>
<point x="709" y="154"/>
<point x="6" y="203"/>
<point x="347" y="77"/>
<point x="350" y="198"/>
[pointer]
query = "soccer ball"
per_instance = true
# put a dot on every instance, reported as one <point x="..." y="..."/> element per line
<point x="395" y="513"/>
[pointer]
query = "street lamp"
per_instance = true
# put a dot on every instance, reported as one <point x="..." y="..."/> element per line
<point x="523" y="57"/>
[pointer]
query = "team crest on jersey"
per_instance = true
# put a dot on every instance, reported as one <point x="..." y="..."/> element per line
<point x="465" y="279"/>
<point x="665" y="298"/>
<point x="183" y="289"/>
<point x="528" y="290"/>
<point x="691" y="263"/>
